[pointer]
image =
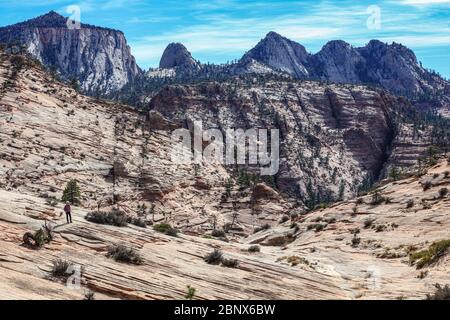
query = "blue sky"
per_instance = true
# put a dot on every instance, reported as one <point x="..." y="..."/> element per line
<point x="221" y="30"/>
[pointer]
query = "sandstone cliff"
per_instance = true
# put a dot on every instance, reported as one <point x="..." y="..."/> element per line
<point x="98" y="57"/>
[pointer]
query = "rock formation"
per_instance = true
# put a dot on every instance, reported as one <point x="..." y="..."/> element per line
<point x="98" y="57"/>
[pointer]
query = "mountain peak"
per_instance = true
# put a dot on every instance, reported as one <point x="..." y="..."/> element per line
<point x="52" y="19"/>
<point x="274" y="35"/>
<point x="177" y="55"/>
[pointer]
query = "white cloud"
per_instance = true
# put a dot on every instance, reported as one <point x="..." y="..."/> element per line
<point x="424" y="2"/>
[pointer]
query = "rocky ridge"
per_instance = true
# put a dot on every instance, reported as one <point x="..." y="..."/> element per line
<point x="99" y="58"/>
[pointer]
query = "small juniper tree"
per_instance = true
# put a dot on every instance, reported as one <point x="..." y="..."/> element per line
<point x="74" y="84"/>
<point x="72" y="193"/>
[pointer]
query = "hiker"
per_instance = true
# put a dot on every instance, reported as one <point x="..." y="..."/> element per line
<point x="68" y="211"/>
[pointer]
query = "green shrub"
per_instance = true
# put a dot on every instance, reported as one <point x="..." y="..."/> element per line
<point x="317" y="227"/>
<point x="190" y="293"/>
<point x="139" y="222"/>
<point x="121" y="253"/>
<point x="254" y="248"/>
<point x="218" y="233"/>
<point x="60" y="268"/>
<point x="377" y="199"/>
<point x="114" y="218"/>
<point x="162" y="227"/>
<point x="89" y="295"/>
<point x="368" y="223"/>
<point x="355" y="241"/>
<point x="230" y="263"/>
<point x="166" y="229"/>
<point x="262" y="228"/>
<point x="431" y="255"/>
<point x="214" y="257"/>
<point x="427" y="185"/>
<point x="441" y="293"/>
<point x="173" y="232"/>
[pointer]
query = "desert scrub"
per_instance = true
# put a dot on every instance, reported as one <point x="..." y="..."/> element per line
<point x="114" y="218"/>
<point x="230" y="263"/>
<point x="214" y="257"/>
<point x="410" y="203"/>
<point x="431" y="255"/>
<point x="218" y="233"/>
<point x="138" y="222"/>
<point x="190" y="293"/>
<point x="121" y="253"/>
<point x="355" y="241"/>
<point x="317" y="227"/>
<point x="166" y="229"/>
<point x="162" y="227"/>
<point x="62" y="269"/>
<point x="368" y="223"/>
<point x="443" y="192"/>
<point x="262" y="228"/>
<point x="441" y="293"/>
<point x="426" y="185"/>
<point x="89" y="295"/>
<point x="377" y="199"/>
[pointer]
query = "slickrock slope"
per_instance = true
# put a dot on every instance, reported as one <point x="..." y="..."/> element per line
<point x="367" y="245"/>
<point x="317" y="265"/>
<point x="98" y="57"/>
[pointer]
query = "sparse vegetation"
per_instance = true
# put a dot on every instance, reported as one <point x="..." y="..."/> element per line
<point x="166" y="229"/>
<point x="121" y="253"/>
<point x="61" y="268"/>
<point x="254" y="248"/>
<point x="89" y="295"/>
<point x="368" y="223"/>
<point x="441" y="293"/>
<point x="114" y="218"/>
<point x="431" y="255"/>
<point x="410" y="203"/>
<point x="214" y="257"/>
<point x="190" y="293"/>
<point x="139" y="222"/>
<point x="218" y="233"/>
<point x="230" y="263"/>
<point x="262" y="228"/>
<point x="355" y="241"/>
<point x="443" y="192"/>
<point x="426" y="185"/>
<point x="39" y="238"/>
<point x="377" y="198"/>
<point x="317" y="227"/>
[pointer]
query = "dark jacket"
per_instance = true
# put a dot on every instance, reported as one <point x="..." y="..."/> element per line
<point x="67" y="209"/>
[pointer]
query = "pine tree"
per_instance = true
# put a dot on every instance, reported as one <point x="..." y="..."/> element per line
<point x="72" y="193"/>
<point x="74" y="84"/>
